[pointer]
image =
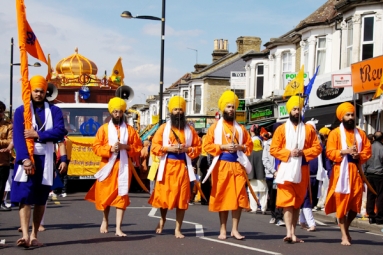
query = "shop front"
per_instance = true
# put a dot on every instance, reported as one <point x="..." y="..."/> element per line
<point x="329" y="90"/>
<point x="366" y="77"/>
<point x="262" y="114"/>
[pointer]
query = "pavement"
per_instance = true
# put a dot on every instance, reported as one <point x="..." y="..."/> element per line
<point x="359" y="222"/>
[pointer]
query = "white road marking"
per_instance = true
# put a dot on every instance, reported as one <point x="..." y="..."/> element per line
<point x="374" y="234"/>
<point x="240" y="246"/>
<point x="200" y="233"/>
<point x="320" y="223"/>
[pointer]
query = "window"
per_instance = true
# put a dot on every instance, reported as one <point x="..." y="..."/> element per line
<point x="367" y="37"/>
<point x="286" y="62"/>
<point x="239" y="92"/>
<point x="185" y="94"/>
<point x="197" y="98"/>
<point x="259" y="81"/>
<point x="306" y="54"/>
<point x="349" y="41"/>
<point x="321" y="54"/>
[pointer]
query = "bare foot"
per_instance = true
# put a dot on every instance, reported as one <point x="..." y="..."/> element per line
<point x="41" y="228"/>
<point x="287" y="239"/>
<point x="237" y="235"/>
<point x="304" y="226"/>
<point x="23" y="242"/>
<point x="345" y="241"/>
<point x="35" y="243"/>
<point x="222" y="236"/>
<point x="160" y="226"/>
<point x="295" y="239"/>
<point x="104" y="227"/>
<point x="120" y="233"/>
<point x="312" y="229"/>
<point x="178" y="234"/>
<point x="349" y="237"/>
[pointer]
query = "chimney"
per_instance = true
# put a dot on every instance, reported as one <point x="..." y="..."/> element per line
<point x="220" y="49"/>
<point x="199" y="67"/>
<point x="248" y="43"/>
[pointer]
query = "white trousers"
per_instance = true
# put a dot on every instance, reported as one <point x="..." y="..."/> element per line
<point x="260" y="189"/>
<point x="307" y="217"/>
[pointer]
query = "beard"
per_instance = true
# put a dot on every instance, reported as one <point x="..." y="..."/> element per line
<point x="349" y="124"/>
<point x="117" y="121"/>
<point x="178" y="120"/>
<point x="294" y="119"/>
<point x="227" y="117"/>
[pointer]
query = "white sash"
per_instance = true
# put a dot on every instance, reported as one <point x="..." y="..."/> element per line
<point x="123" y="170"/>
<point x="165" y="143"/>
<point x="291" y="170"/>
<point x="41" y="149"/>
<point x="343" y="184"/>
<point x="242" y="158"/>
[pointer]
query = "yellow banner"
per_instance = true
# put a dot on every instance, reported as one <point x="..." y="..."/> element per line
<point x="155" y="119"/>
<point x="82" y="159"/>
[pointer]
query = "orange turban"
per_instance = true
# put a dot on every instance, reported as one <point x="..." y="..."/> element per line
<point x="344" y="108"/>
<point x="294" y="101"/>
<point x="38" y="82"/>
<point x="324" y="131"/>
<point x="116" y="103"/>
<point x="228" y="97"/>
<point x="177" y="102"/>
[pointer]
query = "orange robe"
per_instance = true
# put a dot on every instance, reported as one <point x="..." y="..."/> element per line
<point x="228" y="179"/>
<point x="337" y="202"/>
<point x="174" y="189"/>
<point x="293" y="194"/>
<point x="105" y="193"/>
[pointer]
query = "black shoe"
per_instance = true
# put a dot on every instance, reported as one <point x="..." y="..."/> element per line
<point x="372" y="220"/>
<point x="3" y="207"/>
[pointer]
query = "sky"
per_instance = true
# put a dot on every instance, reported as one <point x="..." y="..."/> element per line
<point x="101" y="35"/>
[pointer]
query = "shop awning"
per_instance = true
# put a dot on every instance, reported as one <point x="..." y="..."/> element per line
<point x="323" y="116"/>
<point x="370" y="107"/>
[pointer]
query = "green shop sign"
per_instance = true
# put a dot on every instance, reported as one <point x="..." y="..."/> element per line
<point x="241" y="105"/>
<point x="263" y="112"/>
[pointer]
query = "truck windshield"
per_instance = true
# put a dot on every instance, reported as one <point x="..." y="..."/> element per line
<point x="81" y="121"/>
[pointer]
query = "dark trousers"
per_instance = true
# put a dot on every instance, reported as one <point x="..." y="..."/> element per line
<point x="376" y="182"/>
<point x="205" y="187"/>
<point x="4" y="172"/>
<point x="276" y="213"/>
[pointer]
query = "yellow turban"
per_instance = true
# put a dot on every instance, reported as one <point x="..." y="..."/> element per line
<point x="228" y="97"/>
<point x="116" y="103"/>
<point x="342" y="109"/>
<point x="294" y="101"/>
<point x="324" y="131"/>
<point x="38" y="82"/>
<point x="177" y="102"/>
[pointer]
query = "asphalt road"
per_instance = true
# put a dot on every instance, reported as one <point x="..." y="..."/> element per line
<point x="73" y="228"/>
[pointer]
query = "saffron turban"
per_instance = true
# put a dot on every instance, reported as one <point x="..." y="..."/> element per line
<point x="177" y="102"/>
<point x="38" y="82"/>
<point x="344" y="108"/>
<point x="324" y="131"/>
<point x="116" y="103"/>
<point x="228" y="97"/>
<point x="294" y="101"/>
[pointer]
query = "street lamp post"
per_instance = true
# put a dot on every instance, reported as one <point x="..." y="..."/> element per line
<point x="128" y="15"/>
<point x="37" y="64"/>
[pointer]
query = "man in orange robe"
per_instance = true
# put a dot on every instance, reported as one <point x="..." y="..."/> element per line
<point x="228" y="142"/>
<point x="347" y="146"/>
<point x="176" y="143"/>
<point x="294" y="144"/>
<point x="115" y="142"/>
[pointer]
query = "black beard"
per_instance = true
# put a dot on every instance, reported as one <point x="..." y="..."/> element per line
<point x="227" y="117"/>
<point x="349" y="124"/>
<point x="178" y="121"/>
<point x="117" y="121"/>
<point x="294" y="119"/>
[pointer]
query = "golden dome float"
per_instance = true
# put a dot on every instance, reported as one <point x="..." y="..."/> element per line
<point x="75" y="66"/>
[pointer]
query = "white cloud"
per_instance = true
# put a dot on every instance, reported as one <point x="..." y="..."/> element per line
<point x="155" y="30"/>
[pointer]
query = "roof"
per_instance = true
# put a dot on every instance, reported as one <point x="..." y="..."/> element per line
<point x="224" y="71"/>
<point x="325" y="13"/>
<point x="186" y="76"/>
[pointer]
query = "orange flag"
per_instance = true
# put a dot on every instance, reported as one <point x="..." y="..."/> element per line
<point x="27" y="43"/>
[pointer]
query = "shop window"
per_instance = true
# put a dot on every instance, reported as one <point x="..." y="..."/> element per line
<point x="239" y="92"/>
<point x="286" y="61"/>
<point x="367" y="37"/>
<point x="259" y="81"/>
<point x="349" y="41"/>
<point x="185" y="94"/>
<point x="197" y="98"/>
<point x="321" y="54"/>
